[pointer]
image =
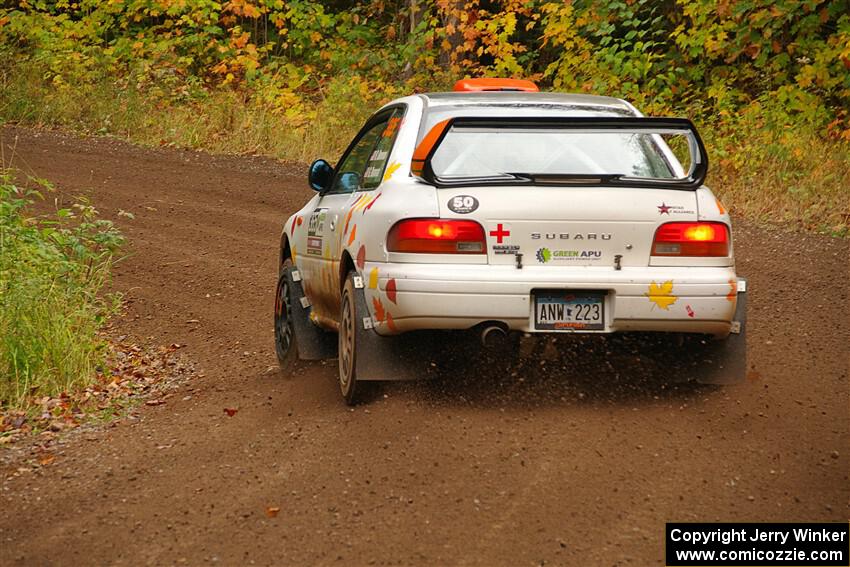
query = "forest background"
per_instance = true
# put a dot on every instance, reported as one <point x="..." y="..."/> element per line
<point x="767" y="82"/>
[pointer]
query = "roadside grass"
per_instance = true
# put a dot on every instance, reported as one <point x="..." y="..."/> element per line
<point x="52" y="307"/>
<point x="785" y="175"/>
<point x="764" y="164"/>
<point x="219" y="121"/>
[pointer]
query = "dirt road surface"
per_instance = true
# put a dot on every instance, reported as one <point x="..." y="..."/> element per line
<point x="565" y="460"/>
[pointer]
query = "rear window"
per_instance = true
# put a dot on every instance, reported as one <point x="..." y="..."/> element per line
<point x="476" y="151"/>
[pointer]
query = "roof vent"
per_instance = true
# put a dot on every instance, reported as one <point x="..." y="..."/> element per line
<point x="494" y="84"/>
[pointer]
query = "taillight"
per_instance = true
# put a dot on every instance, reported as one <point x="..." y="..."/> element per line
<point x="691" y="239"/>
<point x="436" y="236"/>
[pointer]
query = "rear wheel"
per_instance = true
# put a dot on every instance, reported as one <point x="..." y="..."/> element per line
<point x="284" y="331"/>
<point x="348" y="383"/>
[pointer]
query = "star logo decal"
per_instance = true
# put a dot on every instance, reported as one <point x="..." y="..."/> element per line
<point x="663" y="209"/>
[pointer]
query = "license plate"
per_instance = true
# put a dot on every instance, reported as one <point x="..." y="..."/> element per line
<point x="567" y="310"/>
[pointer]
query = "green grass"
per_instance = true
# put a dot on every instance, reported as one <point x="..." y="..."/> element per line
<point x="221" y="121"/>
<point x="52" y="272"/>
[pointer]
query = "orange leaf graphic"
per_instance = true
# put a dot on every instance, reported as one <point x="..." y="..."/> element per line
<point x="391" y="290"/>
<point x="380" y="314"/>
<point x="361" y="257"/>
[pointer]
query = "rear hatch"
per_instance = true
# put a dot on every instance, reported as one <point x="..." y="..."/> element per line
<point x="565" y="190"/>
<point x="556" y="226"/>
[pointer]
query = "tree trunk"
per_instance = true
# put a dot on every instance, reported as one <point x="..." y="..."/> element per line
<point x="451" y="19"/>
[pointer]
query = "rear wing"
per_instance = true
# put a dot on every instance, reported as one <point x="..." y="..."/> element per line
<point x="694" y="178"/>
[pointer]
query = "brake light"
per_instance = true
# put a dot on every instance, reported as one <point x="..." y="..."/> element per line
<point x="436" y="236"/>
<point x="691" y="239"/>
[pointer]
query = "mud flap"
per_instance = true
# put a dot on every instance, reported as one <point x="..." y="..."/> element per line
<point x="311" y="342"/>
<point x="378" y="358"/>
<point x="724" y="361"/>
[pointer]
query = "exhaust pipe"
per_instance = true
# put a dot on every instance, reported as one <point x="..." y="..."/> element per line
<point x="493" y="336"/>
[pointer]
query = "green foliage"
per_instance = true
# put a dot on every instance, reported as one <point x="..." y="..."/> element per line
<point x="52" y="270"/>
<point x="295" y="78"/>
<point x="738" y="50"/>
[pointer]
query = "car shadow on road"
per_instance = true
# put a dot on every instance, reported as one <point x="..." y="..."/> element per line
<point x="557" y="370"/>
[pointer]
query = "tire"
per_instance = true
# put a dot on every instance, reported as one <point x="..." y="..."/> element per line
<point x="349" y="386"/>
<point x="284" y="330"/>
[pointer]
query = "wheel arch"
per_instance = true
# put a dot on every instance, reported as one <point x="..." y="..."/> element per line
<point x="285" y="251"/>
<point x="346" y="264"/>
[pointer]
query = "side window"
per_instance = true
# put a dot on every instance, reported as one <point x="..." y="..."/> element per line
<point x="378" y="160"/>
<point x="349" y="173"/>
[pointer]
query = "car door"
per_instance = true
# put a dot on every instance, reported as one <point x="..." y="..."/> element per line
<point x="356" y="171"/>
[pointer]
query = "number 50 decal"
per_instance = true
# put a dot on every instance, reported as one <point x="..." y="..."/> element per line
<point x="463" y="204"/>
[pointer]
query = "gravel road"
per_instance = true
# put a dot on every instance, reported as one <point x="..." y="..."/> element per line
<point x="577" y="456"/>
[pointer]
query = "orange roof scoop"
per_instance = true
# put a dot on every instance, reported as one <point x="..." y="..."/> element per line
<point x="495" y="84"/>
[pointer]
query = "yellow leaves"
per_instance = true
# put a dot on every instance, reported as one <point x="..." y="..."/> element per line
<point x="662" y="295"/>
<point x="391" y="168"/>
<point x="373" y="278"/>
<point x="714" y="45"/>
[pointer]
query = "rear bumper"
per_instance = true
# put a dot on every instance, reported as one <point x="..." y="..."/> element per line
<point x="406" y="297"/>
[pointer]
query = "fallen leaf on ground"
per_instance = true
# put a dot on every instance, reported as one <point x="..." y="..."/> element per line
<point x="230" y="411"/>
<point x="154" y="402"/>
<point x="272" y="511"/>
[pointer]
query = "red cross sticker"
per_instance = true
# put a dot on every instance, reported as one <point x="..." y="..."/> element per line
<point x="500" y="233"/>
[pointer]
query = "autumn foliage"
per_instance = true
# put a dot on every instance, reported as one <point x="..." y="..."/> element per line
<point x="313" y="69"/>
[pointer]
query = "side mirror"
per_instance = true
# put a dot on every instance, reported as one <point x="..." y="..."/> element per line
<point x="320" y="175"/>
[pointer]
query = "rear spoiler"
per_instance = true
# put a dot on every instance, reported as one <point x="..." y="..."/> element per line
<point x="421" y="163"/>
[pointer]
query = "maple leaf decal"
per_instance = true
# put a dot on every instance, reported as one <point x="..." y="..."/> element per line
<point x="662" y="295"/>
<point x="380" y="314"/>
<point x="392" y="168"/>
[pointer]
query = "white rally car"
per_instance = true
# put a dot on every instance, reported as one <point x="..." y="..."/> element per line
<point x="504" y="210"/>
